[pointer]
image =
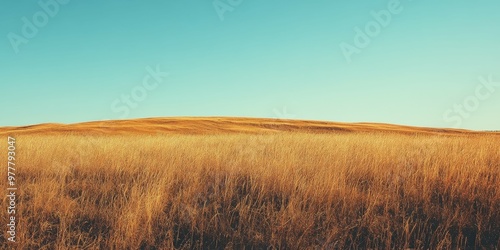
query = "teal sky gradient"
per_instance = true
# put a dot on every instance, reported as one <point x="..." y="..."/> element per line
<point x="264" y="57"/>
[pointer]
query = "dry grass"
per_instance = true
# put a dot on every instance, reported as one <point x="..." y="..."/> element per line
<point x="285" y="185"/>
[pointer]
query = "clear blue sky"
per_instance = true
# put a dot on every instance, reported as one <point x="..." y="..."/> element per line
<point x="259" y="58"/>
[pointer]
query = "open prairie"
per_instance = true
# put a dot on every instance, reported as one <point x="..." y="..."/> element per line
<point x="241" y="183"/>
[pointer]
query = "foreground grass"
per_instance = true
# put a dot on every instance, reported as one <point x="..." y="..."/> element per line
<point x="281" y="190"/>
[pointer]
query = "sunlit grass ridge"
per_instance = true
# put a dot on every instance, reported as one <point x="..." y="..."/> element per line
<point x="284" y="189"/>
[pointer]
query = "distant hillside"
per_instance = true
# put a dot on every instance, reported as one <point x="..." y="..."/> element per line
<point x="218" y="125"/>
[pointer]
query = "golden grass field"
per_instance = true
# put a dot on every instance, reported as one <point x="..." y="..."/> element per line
<point x="241" y="183"/>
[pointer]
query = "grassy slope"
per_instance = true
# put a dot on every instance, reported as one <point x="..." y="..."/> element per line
<point x="235" y="182"/>
<point x="217" y="125"/>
